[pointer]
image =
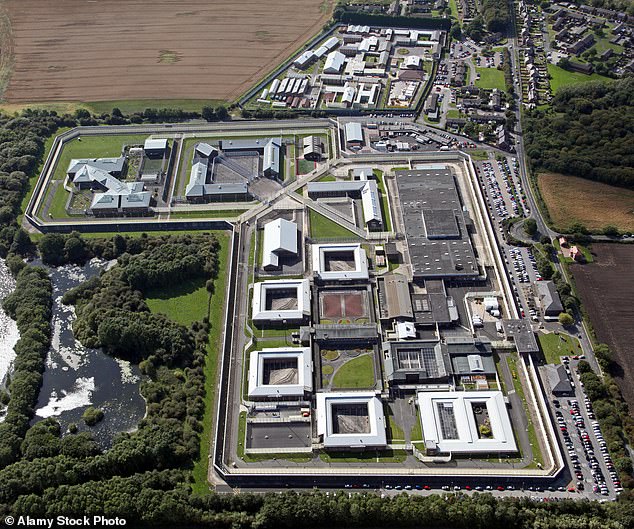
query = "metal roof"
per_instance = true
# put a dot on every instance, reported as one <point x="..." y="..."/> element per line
<point x="280" y="235"/>
<point x="155" y="144"/>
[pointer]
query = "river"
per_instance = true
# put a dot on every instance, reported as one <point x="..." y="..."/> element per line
<point x="8" y="329"/>
<point x="77" y="377"/>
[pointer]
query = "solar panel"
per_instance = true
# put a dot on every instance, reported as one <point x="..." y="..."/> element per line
<point x="447" y="419"/>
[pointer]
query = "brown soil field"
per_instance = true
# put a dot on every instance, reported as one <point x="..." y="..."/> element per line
<point x="606" y="289"/>
<point x="571" y="199"/>
<point x="78" y="50"/>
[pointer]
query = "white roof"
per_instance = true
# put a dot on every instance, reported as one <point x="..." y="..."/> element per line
<point x="353" y="131"/>
<point x="304" y="58"/>
<point x="348" y="96"/>
<point x="412" y="61"/>
<point x="374" y="434"/>
<point x="359" y="271"/>
<point x="301" y="304"/>
<point x="457" y="431"/>
<point x="280" y="235"/>
<point x="302" y="384"/>
<point x="151" y="144"/>
<point x="334" y="62"/>
<point x="371" y="202"/>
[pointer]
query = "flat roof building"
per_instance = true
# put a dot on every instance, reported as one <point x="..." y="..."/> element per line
<point x="281" y="300"/>
<point x="349" y="420"/>
<point x="280" y="237"/>
<point x="435" y="225"/>
<point x="354" y="134"/>
<point x="466" y="422"/>
<point x="340" y="262"/>
<point x="409" y="364"/>
<point x="281" y="373"/>
<point x="155" y="147"/>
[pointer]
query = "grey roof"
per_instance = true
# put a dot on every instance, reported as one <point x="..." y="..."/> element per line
<point x="558" y="380"/>
<point x="109" y="165"/>
<point x="354" y="131"/>
<point x="339" y="187"/>
<point x="549" y="298"/>
<point x="256" y="144"/>
<point x="424" y="360"/>
<point x="205" y="150"/>
<point x="473" y="364"/>
<point x="433" y="191"/>
<point x="155" y="144"/>
<point x="394" y="296"/>
<point x="271" y="160"/>
<point x="345" y="332"/>
<point x="522" y="334"/>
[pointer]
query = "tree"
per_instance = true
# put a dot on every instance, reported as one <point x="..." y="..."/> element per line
<point x="566" y="319"/>
<point x="92" y="416"/>
<point x="51" y="248"/>
<point x="530" y="227"/>
<point x="456" y="31"/>
<point x="611" y="231"/>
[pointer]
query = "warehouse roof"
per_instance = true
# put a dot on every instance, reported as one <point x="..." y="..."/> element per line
<point x="155" y="144"/>
<point x="354" y="133"/>
<point x="394" y="296"/>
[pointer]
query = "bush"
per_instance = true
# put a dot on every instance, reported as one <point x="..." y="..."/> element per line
<point x="92" y="416"/>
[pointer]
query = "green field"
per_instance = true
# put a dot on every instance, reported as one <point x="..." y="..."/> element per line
<point x="216" y="320"/>
<point x="57" y="209"/>
<point x="184" y="303"/>
<point x="561" y="77"/>
<point x="479" y="155"/>
<point x="323" y="227"/>
<point x="355" y="373"/>
<point x="367" y="456"/>
<point x="385" y="204"/>
<point x="490" y="78"/>
<point x="556" y="345"/>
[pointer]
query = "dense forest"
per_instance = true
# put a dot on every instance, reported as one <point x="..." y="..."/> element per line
<point x="588" y="132"/>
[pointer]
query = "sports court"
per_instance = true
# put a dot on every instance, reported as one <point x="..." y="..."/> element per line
<point x="349" y="305"/>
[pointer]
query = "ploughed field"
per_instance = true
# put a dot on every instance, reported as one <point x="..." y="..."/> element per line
<point x="606" y="288"/>
<point x="74" y="50"/>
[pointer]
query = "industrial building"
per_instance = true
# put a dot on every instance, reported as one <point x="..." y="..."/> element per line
<point x="435" y="224"/>
<point x="408" y="364"/>
<point x="155" y="148"/>
<point x="313" y="148"/>
<point x="354" y="134"/>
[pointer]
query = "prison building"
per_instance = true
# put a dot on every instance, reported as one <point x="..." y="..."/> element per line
<point x="280" y="238"/>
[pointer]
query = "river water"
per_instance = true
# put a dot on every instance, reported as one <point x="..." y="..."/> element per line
<point x="8" y="329"/>
<point x="77" y="377"/>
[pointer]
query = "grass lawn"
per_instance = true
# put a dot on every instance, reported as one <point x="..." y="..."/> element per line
<point x="490" y="78"/>
<point x="355" y="373"/>
<point x="100" y="146"/>
<point x="394" y="431"/>
<point x="571" y="199"/>
<point x="556" y="345"/>
<point x="242" y="432"/>
<point x="378" y="456"/>
<point x="216" y="316"/>
<point x="57" y="209"/>
<point x="453" y="113"/>
<point x="416" y="434"/>
<point x="327" y="178"/>
<point x="305" y="166"/>
<point x="33" y="179"/>
<point x="184" y="303"/>
<point x="209" y="214"/>
<point x="479" y="155"/>
<point x="532" y="434"/>
<point x="561" y="77"/>
<point x="454" y="9"/>
<point x="323" y="227"/>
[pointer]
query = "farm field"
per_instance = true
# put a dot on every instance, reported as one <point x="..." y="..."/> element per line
<point x="571" y="199"/>
<point x="606" y="289"/>
<point x="161" y="50"/>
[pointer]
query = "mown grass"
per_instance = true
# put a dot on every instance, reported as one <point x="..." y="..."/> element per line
<point x="490" y="78"/>
<point x="554" y="346"/>
<point x="184" y="303"/>
<point x="323" y="227"/>
<point x="560" y="77"/>
<point x="356" y="373"/>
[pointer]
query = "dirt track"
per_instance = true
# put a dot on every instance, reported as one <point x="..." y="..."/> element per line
<point x="79" y="50"/>
<point x="606" y="288"/>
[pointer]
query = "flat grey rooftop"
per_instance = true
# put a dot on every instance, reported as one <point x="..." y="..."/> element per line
<point x="435" y="226"/>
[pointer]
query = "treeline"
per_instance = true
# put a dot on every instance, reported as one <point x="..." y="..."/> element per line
<point x="155" y="499"/>
<point x="587" y="133"/>
<point x="151" y="115"/>
<point x="30" y="305"/>
<point x="346" y="16"/>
